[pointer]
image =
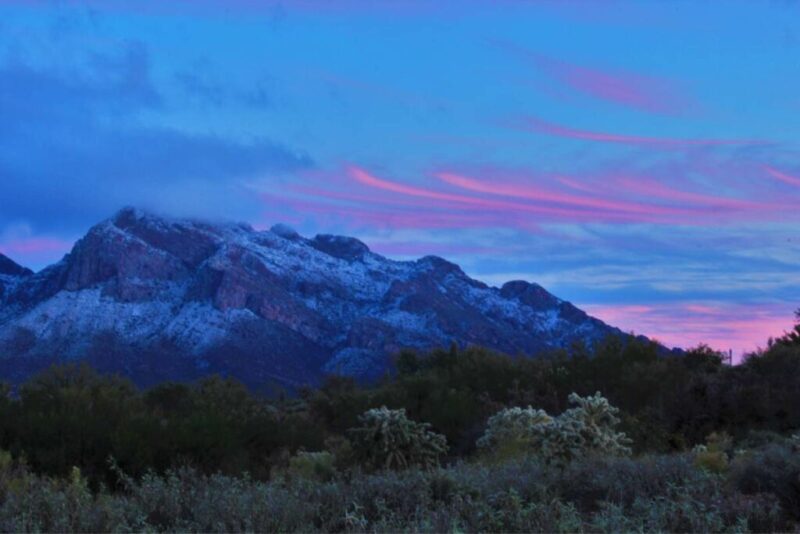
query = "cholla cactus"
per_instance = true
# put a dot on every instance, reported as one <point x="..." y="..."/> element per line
<point x="388" y="439"/>
<point x="516" y="427"/>
<point x="588" y="428"/>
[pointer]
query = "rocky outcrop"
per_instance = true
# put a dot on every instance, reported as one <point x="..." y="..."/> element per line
<point x="159" y="298"/>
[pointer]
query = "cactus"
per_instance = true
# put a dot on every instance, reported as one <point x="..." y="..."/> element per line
<point x="587" y="428"/>
<point x="514" y="430"/>
<point x="387" y="439"/>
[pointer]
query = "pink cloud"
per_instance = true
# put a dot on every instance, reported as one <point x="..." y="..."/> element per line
<point x="34" y="251"/>
<point x="385" y="215"/>
<point x="656" y="190"/>
<point x="533" y="124"/>
<point x="506" y="198"/>
<point x="539" y="194"/>
<point x="368" y="179"/>
<point x="34" y="245"/>
<point x="783" y="177"/>
<point x="723" y="326"/>
<point x="644" y="93"/>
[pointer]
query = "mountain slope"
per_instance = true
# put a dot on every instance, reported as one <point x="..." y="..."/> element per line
<point x="159" y="298"/>
<point x="9" y="268"/>
<point x="10" y="274"/>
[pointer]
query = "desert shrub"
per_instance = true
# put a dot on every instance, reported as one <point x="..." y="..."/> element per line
<point x="661" y="493"/>
<point x="756" y="439"/>
<point x="586" y="429"/>
<point x="5" y="460"/>
<point x="312" y="465"/>
<point x="622" y="480"/>
<point x="515" y="431"/>
<point x="773" y="469"/>
<point x="713" y="456"/>
<point x="387" y="439"/>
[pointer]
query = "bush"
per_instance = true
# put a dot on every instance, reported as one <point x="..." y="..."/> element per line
<point x="585" y="430"/>
<point x="660" y="493"/>
<point x="713" y="456"/>
<point x="773" y="469"/>
<point x="387" y="439"/>
<point x="514" y="431"/>
<point x="312" y="465"/>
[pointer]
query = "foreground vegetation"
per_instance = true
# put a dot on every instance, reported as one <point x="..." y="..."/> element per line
<point x="453" y="440"/>
<point x="650" y="493"/>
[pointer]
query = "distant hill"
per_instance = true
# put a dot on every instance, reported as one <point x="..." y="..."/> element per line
<point x="168" y="299"/>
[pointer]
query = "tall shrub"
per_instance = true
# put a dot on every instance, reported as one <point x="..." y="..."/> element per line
<point x="586" y="429"/>
<point x="388" y="439"/>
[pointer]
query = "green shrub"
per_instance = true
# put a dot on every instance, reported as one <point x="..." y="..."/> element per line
<point x="584" y="430"/>
<point x="387" y="439"/>
<point x="312" y="465"/>
<point x="5" y="460"/>
<point x="713" y="456"/>
<point x="516" y="431"/>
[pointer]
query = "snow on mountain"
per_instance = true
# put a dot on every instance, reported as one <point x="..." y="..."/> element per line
<point x="159" y="298"/>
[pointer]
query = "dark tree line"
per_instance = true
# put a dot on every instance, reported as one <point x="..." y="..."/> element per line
<point x="72" y="416"/>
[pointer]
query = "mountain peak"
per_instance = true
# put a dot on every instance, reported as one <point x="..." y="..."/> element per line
<point x="440" y="265"/>
<point x="11" y="268"/>
<point x="529" y="294"/>
<point x="172" y="299"/>
<point x="127" y="215"/>
<point x="339" y="246"/>
<point x="285" y="231"/>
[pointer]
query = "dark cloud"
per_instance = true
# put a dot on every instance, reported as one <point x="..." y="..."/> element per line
<point x="203" y="85"/>
<point x="201" y="88"/>
<point x="73" y="150"/>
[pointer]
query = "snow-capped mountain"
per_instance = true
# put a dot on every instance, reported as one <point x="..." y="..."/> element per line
<point x="159" y="298"/>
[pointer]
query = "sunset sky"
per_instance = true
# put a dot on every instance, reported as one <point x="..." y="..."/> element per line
<point x="640" y="159"/>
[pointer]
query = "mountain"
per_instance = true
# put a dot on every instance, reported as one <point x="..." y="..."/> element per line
<point x="10" y="269"/>
<point x="159" y="298"/>
<point x="10" y="274"/>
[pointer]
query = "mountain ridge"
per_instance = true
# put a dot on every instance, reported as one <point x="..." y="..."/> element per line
<point x="160" y="298"/>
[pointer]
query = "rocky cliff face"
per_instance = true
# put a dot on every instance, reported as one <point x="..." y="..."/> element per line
<point x="158" y="299"/>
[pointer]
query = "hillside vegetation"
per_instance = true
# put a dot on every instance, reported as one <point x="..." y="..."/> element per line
<point x="612" y="439"/>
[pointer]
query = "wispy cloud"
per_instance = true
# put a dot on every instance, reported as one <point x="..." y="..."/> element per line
<point x="782" y="176"/>
<point x="477" y="202"/>
<point x="537" y="125"/>
<point x="652" y="94"/>
<point x="544" y="195"/>
<point x="512" y="198"/>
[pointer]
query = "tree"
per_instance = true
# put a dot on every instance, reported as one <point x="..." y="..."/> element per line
<point x="792" y="338"/>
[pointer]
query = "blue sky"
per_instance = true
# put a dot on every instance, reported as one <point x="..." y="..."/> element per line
<point x="637" y="158"/>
